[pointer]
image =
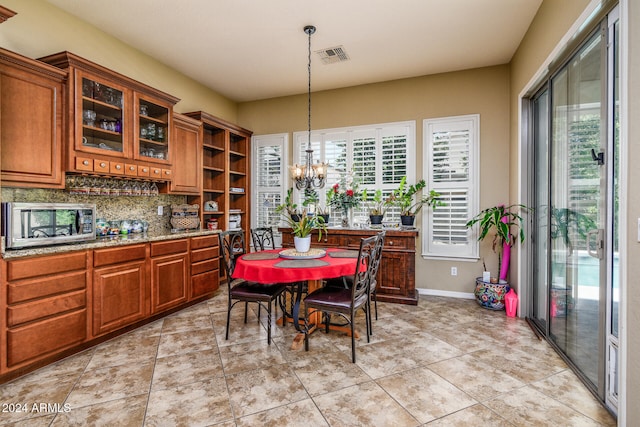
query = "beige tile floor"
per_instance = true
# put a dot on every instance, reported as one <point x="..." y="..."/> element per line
<point x="445" y="362"/>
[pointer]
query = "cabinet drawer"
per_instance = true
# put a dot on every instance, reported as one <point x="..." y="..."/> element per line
<point x="155" y="172"/>
<point x="116" y="168"/>
<point x="169" y="247"/>
<point x="204" y="242"/>
<point x="166" y="174"/>
<point x="45" y="307"/>
<point x="42" y="287"/>
<point x="117" y="255"/>
<point x="395" y="243"/>
<point x="130" y="170"/>
<point x="45" y="265"/>
<point x="204" y="254"/>
<point x="39" y="339"/>
<point x="201" y="267"/>
<point x="205" y="283"/>
<point x="326" y="240"/>
<point x="101" y="166"/>
<point x="84" y="164"/>
<point x="143" y="170"/>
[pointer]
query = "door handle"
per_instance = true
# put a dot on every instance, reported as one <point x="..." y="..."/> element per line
<point x="599" y="243"/>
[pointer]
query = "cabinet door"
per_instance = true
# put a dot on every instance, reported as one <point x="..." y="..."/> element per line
<point x="169" y="279"/>
<point x="119" y="296"/>
<point x="31" y="123"/>
<point x="101" y="116"/>
<point x="152" y="129"/>
<point x="186" y="149"/>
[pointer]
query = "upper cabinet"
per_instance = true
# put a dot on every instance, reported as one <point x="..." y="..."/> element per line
<point x="120" y="126"/>
<point x="186" y="152"/>
<point x="32" y="105"/>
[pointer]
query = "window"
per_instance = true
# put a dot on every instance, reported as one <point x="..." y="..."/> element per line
<point x="269" y="167"/>
<point x="379" y="156"/>
<point x="451" y="167"/>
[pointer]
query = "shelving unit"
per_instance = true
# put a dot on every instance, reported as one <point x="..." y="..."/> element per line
<point x="225" y="172"/>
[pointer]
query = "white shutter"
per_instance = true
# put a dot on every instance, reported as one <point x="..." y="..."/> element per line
<point x="451" y="163"/>
<point x="270" y="172"/>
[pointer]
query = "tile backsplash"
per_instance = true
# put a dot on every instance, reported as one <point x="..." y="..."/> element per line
<point x="110" y="208"/>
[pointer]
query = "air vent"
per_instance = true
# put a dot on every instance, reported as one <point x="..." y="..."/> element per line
<point x="333" y="54"/>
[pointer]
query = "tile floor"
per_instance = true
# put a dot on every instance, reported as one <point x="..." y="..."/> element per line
<point x="445" y="362"/>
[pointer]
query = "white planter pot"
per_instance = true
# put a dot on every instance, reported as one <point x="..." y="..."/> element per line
<point x="302" y="244"/>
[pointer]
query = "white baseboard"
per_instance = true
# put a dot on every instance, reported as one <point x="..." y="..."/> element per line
<point x="450" y="294"/>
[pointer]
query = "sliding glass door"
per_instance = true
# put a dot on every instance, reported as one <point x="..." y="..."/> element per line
<point x="575" y="196"/>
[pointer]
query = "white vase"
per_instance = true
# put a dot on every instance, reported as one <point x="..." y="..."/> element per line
<point x="302" y="244"/>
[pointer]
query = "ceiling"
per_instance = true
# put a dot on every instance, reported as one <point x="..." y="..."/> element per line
<point x="256" y="49"/>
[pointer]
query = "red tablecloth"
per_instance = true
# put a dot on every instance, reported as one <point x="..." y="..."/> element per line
<point x="266" y="271"/>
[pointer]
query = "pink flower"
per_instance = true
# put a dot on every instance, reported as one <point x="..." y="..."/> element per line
<point x="349" y="193"/>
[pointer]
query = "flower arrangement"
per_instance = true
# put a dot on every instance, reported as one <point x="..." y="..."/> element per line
<point x="344" y="194"/>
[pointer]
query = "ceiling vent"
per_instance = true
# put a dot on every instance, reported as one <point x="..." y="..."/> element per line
<point x="332" y="55"/>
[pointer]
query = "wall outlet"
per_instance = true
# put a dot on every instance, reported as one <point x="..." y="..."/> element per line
<point x="161" y="210"/>
<point x="454" y="271"/>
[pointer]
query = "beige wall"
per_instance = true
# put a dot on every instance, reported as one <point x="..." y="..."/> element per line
<point x="40" y="29"/>
<point x="482" y="91"/>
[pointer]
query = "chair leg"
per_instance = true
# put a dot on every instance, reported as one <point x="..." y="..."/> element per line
<point x="246" y="307"/>
<point x="306" y="331"/>
<point x="353" y="338"/>
<point x="268" y="322"/>
<point x="327" y="319"/>
<point x="228" y="319"/>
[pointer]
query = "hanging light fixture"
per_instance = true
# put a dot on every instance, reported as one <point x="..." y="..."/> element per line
<point x="309" y="175"/>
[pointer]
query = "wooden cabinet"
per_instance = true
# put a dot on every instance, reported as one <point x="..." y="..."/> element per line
<point x="120" y="287"/>
<point x="115" y="121"/>
<point x="169" y="274"/>
<point x="32" y="103"/>
<point x="186" y="152"/>
<point x="46" y="307"/>
<point x="396" y="277"/>
<point x="225" y="172"/>
<point x="205" y="266"/>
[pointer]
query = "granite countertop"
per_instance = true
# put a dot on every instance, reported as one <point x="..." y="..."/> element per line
<point x="105" y="242"/>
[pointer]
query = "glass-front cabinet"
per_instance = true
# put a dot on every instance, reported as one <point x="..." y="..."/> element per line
<point x="121" y="127"/>
<point x="103" y="117"/>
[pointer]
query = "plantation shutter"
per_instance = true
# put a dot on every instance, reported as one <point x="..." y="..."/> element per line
<point x="451" y="163"/>
<point x="270" y="185"/>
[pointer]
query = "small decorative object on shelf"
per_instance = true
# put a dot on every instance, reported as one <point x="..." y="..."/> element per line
<point x="211" y="206"/>
<point x="185" y="217"/>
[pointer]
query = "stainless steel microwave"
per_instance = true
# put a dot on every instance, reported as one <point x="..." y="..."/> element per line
<point x="41" y="224"/>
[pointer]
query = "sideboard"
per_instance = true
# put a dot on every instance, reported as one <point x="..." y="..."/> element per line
<point x="396" y="277"/>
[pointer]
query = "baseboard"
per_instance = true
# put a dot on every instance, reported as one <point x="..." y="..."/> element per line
<point x="450" y="294"/>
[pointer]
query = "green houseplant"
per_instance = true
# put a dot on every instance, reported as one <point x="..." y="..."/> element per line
<point x="289" y="206"/>
<point x="405" y="197"/>
<point x="303" y="226"/>
<point x="377" y="206"/>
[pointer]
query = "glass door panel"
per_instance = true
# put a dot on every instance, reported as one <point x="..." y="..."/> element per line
<point x="578" y="209"/>
<point x="153" y="131"/>
<point x="102" y="117"/>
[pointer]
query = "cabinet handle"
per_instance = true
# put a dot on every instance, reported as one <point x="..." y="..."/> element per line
<point x="156" y="171"/>
<point x="132" y="168"/>
<point x="85" y="162"/>
<point x="103" y="165"/>
<point x="390" y="243"/>
<point x="118" y="167"/>
<point x="145" y="170"/>
<point x="167" y="173"/>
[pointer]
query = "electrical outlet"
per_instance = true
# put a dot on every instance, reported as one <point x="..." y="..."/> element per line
<point x="161" y="210"/>
<point x="454" y="271"/>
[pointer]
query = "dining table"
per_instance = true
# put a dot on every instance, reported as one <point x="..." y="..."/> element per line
<point x="289" y="266"/>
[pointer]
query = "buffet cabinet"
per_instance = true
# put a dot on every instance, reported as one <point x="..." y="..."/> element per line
<point x="56" y="305"/>
<point x="396" y="277"/>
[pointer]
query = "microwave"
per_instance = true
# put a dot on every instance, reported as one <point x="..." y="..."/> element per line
<point x="42" y="224"/>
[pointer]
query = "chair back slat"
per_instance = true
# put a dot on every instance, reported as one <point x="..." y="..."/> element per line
<point x="376" y="258"/>
<point x="360" y="287"/>
<point x="262" y="238"/>
<point x="232" y="244"/>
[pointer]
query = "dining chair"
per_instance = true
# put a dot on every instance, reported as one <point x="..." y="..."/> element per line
<point x="342" y="301"/>
<point x="240" y="290"/>
<point x="262" y="238"/>
<point x="346" y="281"/>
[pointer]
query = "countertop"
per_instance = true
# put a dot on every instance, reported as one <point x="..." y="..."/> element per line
<point x="105" y="242"/>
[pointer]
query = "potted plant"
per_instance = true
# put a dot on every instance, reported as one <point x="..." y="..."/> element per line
<point x="405" y="198"/>
<point x="289" y="206"/>
<point x="303" y="226"/>
<point x="312" y="203"/>
<point x="378" y="206"/>
<point x="505" y="224"/>
<point x="344" y="195"/>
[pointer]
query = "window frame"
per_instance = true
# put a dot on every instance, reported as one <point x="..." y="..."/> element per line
<point x="470" y="250"/>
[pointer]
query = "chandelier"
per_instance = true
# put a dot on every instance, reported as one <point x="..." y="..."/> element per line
<point x="309" y="175"/>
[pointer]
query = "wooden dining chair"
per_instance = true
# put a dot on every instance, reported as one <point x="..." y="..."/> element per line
<point x="240" y="290"/>
<point x="342" y="301"/>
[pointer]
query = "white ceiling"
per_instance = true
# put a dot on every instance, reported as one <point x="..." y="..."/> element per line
<point x="256" y="49"/>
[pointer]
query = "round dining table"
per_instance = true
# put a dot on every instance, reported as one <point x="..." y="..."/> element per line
<point x="284" y="266"/>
